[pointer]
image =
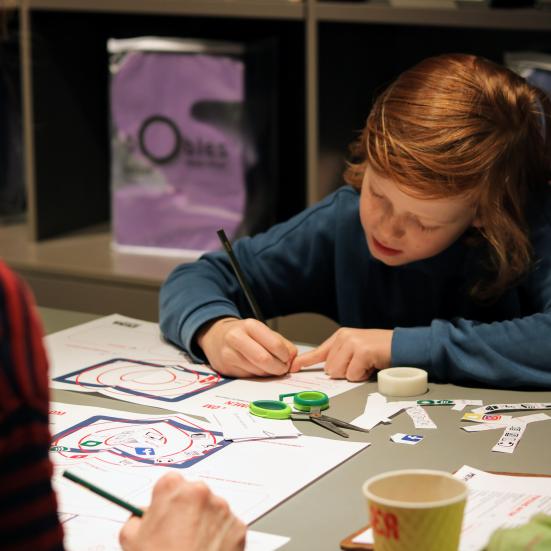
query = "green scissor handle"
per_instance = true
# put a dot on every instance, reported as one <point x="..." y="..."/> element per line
<point x="306" y="399"/>
<point x="278" y="409"/>
<point x="271" y="409"/>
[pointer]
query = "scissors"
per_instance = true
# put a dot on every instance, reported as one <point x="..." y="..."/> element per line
<point x="310" y="404"/>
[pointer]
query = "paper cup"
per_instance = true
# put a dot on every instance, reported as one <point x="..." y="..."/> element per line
<point x="415" y="509"/>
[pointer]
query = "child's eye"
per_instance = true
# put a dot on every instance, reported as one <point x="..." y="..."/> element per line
<point x="427" y="228"/>
<point x="377" y="195"/>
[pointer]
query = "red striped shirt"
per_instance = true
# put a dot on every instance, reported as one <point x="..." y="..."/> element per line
<point x="28" y="508"/>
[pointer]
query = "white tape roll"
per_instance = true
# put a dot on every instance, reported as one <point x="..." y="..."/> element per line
<point x="402" y="381"/>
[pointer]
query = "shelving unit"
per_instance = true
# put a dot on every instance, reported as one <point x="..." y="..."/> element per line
<point x="333" y="57"/>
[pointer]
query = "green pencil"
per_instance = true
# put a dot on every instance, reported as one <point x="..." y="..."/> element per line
<point x="240" y="277"/>
<point x="134" y="510"/>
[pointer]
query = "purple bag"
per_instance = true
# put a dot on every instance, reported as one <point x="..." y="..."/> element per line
<point x="178" y="152"/>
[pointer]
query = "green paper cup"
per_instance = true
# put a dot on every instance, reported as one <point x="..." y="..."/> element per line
<point x="415" y="510"/>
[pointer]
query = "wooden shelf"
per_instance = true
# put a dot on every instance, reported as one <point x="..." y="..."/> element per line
<point x="271" y="9"/>
<point x="82" y="272"/>
<point x="475" y="17"/>
<point x="86" y="255"/>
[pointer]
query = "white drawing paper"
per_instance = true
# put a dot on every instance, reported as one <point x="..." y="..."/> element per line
<point x="127" y="453"/>
<point x="128" y="359"/>
<point x="499" y="501"/>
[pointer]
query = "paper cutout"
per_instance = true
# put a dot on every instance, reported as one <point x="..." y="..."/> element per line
<point x="420" y="418"/>
<point x="410" y="439"/>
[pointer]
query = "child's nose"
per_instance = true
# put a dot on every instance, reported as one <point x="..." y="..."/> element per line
<point x="393" y="226"/>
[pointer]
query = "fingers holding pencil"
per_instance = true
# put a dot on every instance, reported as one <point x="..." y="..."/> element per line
<point x="245" y="348"/>
<point x="184" y="515"/>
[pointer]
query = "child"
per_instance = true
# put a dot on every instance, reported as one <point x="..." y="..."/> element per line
<point x="438" y="255"/>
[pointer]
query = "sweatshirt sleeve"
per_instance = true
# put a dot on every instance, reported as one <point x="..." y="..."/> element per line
<point x="509" y="354"/>
<point x="297" y="251"/>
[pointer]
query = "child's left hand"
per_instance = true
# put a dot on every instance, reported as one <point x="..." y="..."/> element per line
<point x="352" y="354"/>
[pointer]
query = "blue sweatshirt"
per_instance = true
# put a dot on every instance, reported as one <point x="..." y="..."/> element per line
<point x="319" y="261"/>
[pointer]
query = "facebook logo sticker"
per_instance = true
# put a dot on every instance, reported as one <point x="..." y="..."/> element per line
<point x="411" y="439"/>
<point x="144" y="451"/>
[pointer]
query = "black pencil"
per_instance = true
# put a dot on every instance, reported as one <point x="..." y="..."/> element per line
<point x="134" y="510"/>
<point x="240" y="277"/>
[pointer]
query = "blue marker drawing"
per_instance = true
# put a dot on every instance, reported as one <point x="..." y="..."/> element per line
<point x="163" y="382"/>
<point x="165" y="442"/>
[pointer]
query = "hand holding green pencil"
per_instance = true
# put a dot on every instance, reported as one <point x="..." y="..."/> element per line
<point x="244" y="347"/>
<point x="182" y="515"/>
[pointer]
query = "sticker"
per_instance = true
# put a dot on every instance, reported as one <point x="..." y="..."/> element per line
<point x="530" y="418"/>
<point x="486" y="418"/>
<point x="420" y="418"/>
<point x="512" y="407"/>
<point x="435" y="402"/>
<point x="510" y="438"/>
<point x="411" y="439"/>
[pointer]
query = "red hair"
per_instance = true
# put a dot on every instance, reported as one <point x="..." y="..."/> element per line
<point x="460" y="125"/>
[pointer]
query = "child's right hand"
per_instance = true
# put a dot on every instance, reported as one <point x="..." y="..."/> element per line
<point x="245" y="348"/>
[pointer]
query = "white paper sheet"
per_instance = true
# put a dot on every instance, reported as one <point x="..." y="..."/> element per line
<point x="497" y="501"/>
<point x="87" y="533"/>
<point x="127" y="359"/>
<point x="241" y="425"/>
<point x="127" y="453"/>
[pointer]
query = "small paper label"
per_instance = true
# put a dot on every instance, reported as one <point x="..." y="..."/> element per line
<point x="420" y="418"/>
<point x="512" y="407"/>
<point x="411" y="439"/>
<point x="486" y="418"/>
<point x="460" y="404"/>
<point x="483" y="426"/>
<point x="510" y="438"/>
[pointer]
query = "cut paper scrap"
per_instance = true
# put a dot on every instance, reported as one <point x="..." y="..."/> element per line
<point x="460" y="405"/>
<point x="420" y="418"/>
<point x="514" y="431"/>
<point x="506" y="420"/>
<point x="512" y="407"/>
<point x="241" y="425"/>
<point x="510" y="438"/>
<point x="410" y="439"/>
<point x="378" y="410"/>
<point x="480" y="427"/>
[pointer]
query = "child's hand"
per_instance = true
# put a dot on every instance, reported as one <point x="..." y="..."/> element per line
<point x="184" y="515"/>
<point x="351" y="354"/>
<point x="246" y="348"/>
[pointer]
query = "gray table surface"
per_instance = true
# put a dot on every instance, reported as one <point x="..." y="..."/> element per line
<point x="322" y="514"/>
